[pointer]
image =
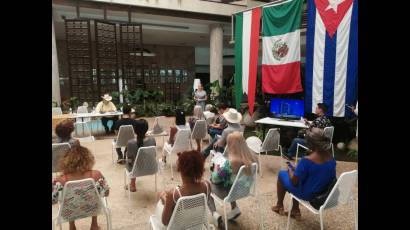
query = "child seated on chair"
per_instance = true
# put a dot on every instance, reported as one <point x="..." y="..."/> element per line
<point x="77" y="164"/>
<point x="191" y="166"/>
<point x="312" y="175"/>
<point x="224" y="175"/>
<point x="179" y="121"/>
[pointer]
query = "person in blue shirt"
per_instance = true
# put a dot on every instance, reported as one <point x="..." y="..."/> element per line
<point x="313" y="173"/>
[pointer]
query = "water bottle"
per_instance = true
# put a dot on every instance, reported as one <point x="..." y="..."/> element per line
<point x="71" y="111"/>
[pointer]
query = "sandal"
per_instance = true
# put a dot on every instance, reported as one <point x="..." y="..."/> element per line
<point x="279" y="210"/>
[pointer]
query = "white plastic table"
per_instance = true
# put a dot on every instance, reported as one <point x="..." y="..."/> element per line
<point x="280" y="122"/>
<point x="90" y="115"/>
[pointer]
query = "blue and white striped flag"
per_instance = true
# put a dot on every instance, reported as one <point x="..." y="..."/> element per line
<point x="331" y="56"/>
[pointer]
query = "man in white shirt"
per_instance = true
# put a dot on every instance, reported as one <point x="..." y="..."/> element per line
<point x="106" y="106"/>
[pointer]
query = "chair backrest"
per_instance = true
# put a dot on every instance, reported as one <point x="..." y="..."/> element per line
<point x="181" y="140"/>
<point x="82" y="109"/>
<point x="254" y="144"/>
<point x="271" y="141"/>
<point x="328" y="132"/>
<point x="200" y="130"/>
<point x="190" y="212"/>
<point x="56" y="111"/>
<point x="80" y="199"/>
<point x="210" y="120"/>
<point x="146" y="162"/>
<point x="342" y="190"/>
<point x="58" y="151"/>
<point x="244" y="184"/>
<point x="125" y="133"/>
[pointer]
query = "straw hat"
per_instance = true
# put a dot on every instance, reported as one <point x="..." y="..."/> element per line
<point x="107" y="97"/>
<point x="232" y="116"/>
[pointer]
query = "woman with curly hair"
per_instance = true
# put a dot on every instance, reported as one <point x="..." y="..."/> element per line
<point x="63" y="131"/>
<point x="223" y="176"/>
<point x="77" y="164"/>
<point x="191" y="166"/>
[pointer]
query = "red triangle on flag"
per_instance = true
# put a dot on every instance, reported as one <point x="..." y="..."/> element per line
<point x="332" y="12"/>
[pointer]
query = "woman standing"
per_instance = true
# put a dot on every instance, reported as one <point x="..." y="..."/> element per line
<point x="198" y="115"/>
<point x="200" y="96"/>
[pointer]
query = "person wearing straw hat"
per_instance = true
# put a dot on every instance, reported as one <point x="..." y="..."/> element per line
<point x="106" y="106"/>
<point x="233" y="119"/>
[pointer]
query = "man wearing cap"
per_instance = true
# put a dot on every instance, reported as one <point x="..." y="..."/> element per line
<point x="233" y="119"/>
<point x="320" y="122"/>
<point x="106" y="106"/>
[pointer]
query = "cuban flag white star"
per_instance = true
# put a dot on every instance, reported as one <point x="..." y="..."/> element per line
<point x="333" y="5"/>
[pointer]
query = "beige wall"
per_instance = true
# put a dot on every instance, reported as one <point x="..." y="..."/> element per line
<point x="187" y="5"/>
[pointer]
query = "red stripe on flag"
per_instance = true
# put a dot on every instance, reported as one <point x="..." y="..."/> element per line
<point x="281" y="79"/>
<point x="253" y="57"/>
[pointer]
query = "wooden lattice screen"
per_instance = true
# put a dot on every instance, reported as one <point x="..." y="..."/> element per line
<point x="78" y="37"/>
<point x="106" y="57"/>
<point x="132" y="56"/>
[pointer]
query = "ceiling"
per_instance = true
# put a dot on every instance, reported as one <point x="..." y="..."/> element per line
<point x="157" y="29"/>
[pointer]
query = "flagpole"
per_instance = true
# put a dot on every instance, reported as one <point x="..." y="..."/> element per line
<point x="276" y="3"/>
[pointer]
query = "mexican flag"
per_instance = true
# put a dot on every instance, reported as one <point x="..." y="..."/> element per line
<point x="246" y="55"/>
<point x="281" y="48"/>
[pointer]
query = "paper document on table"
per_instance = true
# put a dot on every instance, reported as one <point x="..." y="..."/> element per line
<point x="218" y="158"/>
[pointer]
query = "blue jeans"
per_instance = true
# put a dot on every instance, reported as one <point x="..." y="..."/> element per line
<point x="208" y="149"/>
<point x="214" y="131"/>
<point x="294" y="145"/>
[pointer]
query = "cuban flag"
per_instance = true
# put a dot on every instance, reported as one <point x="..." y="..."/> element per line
<point x="331" y="56"/>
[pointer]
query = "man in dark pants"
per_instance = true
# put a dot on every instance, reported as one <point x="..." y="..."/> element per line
<point x="106" y="106"/>
<point x="125" y="120"/>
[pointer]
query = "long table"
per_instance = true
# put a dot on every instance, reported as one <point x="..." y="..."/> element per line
<point x="280" y="122"/>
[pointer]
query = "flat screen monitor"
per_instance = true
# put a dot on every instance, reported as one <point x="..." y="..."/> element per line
<point x="287" y="108"/>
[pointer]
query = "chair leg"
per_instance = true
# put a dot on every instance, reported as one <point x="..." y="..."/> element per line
<point x="260" y="164"/>
<point x="321" y="219"/>
<point x="355" y="213"/>
<point x="155" y="182"/>
<point x="225" y="217"/>
<point x="290" y="207"/>
<point x="170" y="162"/>
<point x="333" y="151"/>
<point x="125" y="181"/>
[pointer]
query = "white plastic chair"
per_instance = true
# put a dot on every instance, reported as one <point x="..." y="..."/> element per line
<point x="145" y="164"/>
<point x="58" y="151"/>
<point x="83" y="122"/>
<point x="328" y="132"/>
<point x="125" y="133"/>
<point x="190" y="212"/>
<point x="243" y="186"/>
<point x="199" y="131"/>
<point x="181" y="144"/>
<point x="340" y="194"/>
<point x="56" y="111"/>
<point x="271" y="143"/>
<point x="255" y="144"/>
<point x="80" y="199"/>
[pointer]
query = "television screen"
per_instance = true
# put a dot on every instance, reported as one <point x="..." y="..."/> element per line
<point x="288" y="108"/>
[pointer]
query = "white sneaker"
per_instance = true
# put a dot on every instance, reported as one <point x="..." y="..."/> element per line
<point x="217" y="219"/>
<point x="234" y="213"/>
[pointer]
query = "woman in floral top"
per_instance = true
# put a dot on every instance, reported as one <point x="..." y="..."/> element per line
<point x="223" y="176"/>
<point x="77" y="164"/>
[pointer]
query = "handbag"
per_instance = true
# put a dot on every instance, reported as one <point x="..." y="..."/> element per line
<point x="320" y="198"/>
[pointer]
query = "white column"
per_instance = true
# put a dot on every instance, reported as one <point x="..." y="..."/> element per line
<point x="215" y="53"/>
<point x="55" y="75"/>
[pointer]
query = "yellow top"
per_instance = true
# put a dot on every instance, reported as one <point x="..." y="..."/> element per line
<point x="101" y="107"/>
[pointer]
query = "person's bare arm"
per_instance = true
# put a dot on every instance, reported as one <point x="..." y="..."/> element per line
<point x="294" y="179"/>
<point x="168" y="207"/>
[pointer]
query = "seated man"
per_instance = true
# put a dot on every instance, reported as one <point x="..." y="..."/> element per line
<point x="125" y="120"/>
<point x="220" y="123"/>
<point x="233" y="119"/>
<point x="105" y="106"/>
<point x="320" y="122"/>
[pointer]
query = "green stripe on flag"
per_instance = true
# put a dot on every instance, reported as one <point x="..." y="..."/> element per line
<point x="238" y="59"/>
<point x="282" y="19"/>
